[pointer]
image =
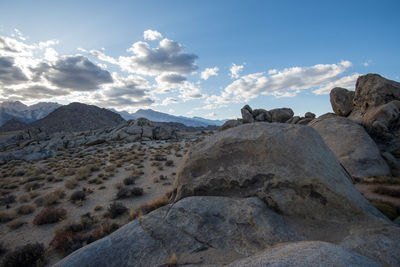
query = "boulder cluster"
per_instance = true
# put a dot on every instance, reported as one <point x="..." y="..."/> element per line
<point x="36" y="144"/>
<point x="283" y="115"/>
<point x="364" y="131"/>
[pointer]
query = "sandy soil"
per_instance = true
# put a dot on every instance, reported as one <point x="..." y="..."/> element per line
<point x="102" y="194"/>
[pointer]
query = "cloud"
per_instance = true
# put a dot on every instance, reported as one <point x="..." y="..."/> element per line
<point x="235" y="70"/>
<point x="125" y="92"/>
<point x="35" y="91"/>
<point x="169" y="100"/>
<point x="151" y="35"/>
<point x="10" y="73"/>
<point x="208" y="72"/>
<point x="74" y="72"/>
<point x="285" y="83"/>
<point x="169" y="56"/>
<point x="190" y="91"/>
<point x="51" y="54"/>
<point x="347" y="82"/>
<point x="171" y="78"/>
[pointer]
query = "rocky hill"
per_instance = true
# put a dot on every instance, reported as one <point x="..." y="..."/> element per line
<point x="23" y="113"/>
<point x="77" y="117"/>
<point x="12" y="125"/>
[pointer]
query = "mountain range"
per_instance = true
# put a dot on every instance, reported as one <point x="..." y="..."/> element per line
<point x="80" y="117"/>
<point x="157" y="116"/>
<point x="23" y="113"/>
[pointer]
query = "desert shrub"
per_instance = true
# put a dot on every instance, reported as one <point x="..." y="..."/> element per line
<point x="29" y="255"/>
<point x="6" y="200"/>
<point x="25" y="209"/>
<point x="71" y="183"/>
<point x="387" y="210"/>
<point x="98" y="208"/>
<point x="23" y="198"/>
<point x="383" y="190"/>
<point x="77" y="196"/>
<point x="129" y="181"/>
<point x="49" y="215"/>
<point x="6" y="217"/>
<point x="123" y="192"/>
<point x="110" y="168"/>
<point x="150" y="206"/>
<point x="137" y="191"/>
<point x="169" y="163"/>
<point x="83" y="173"/>
<point x="31" y="186"/>
<point x="67" y="242"/>
<point x="53" y="197"/>
<point x="33" y="195"/>
<point x="104" y="229"/>
<point x="116" y="209"/>
<point x="15" y="224"/>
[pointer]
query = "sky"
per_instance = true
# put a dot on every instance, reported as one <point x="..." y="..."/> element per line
<point x="194" y="58"/>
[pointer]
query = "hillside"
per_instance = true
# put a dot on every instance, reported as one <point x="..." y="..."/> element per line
<point x="77" y="117"/>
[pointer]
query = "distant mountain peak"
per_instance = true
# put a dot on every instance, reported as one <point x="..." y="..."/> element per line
<point x="158" y="116"/>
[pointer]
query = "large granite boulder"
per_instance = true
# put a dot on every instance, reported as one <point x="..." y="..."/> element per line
<point x="281" y="114"/>
<point x="199" y="230"/>
<point x="288" y="166"/>
<point x="341" y="101"/>
<point x="372" y="90"/>
<point x="304" y="254"/>
<point x="230" y="124"/>
<point x="247" y="114"/>
<point x="352" y="145"/>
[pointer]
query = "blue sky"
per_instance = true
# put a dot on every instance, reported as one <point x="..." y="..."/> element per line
<point x="194" y="58"/>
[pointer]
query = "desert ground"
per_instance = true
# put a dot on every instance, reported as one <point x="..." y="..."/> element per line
<point x="82" y="185"/>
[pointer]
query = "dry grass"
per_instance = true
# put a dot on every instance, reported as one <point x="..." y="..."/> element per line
<point x="15" y="224"/>
<point x="6" y="217"/>
<point x="53" y="197"/>
<point x="25" y="209"/>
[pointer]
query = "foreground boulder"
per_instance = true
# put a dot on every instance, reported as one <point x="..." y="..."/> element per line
<point x="199" y="230"/>
<point x="304" y="254"/>
<point x="288" y="166"/>
<point x="254" y="188"/>
<point x="352" y="145"/>
<point x="341" y="101"/>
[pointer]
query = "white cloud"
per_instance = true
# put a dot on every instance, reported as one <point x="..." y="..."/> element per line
<point x="212" y="114"/>
<point x="235" y="70"/>
<point x="50" y="54"/>
<point x="285" y="83"/>
<point x="208" y="72"/>
<point x="169" y="100"/>
<point x="347" y="82"/>
<point x="151" y="35"/>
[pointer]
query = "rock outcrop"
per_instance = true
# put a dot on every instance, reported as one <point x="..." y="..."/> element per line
<point x="36" y="144"/>
<point x="287" y="166"/>
<point x="376" y="106"/>
<point x="352" y="145"/>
